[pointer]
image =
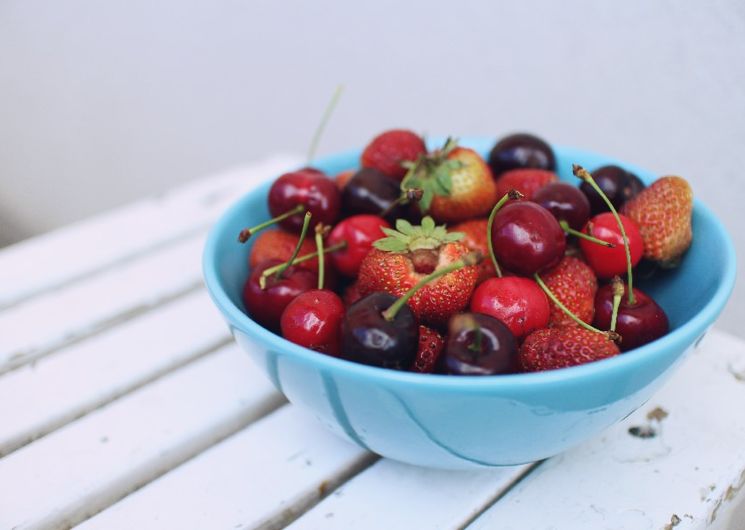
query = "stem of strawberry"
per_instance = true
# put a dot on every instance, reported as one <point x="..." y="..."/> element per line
<point x="472" y="258"/>
<point x="571" y="231"/>
<point x="617" y="295"/>
<point x="321" y="257"/>
<point x="248" y="232"/>
<point x="407" y="196"/>
<point x="561" y="306"/>
<point x="585" y="175"/>
<point x="286" y="265"/>
<point x="301" y="259"/>
<point x="324" y="120"/>
<point x="514" y="195"/>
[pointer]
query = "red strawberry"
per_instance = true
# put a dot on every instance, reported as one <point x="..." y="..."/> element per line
<point x="279" y="245"/>
<point x="456" y="183"/>
<point x="551" y="348"/>
<point x="663" y="213"/>
<point x="575" y="285"/>
<point x="429" y="350"/>
<point x="401" y="260"/>
<point x="526" y="181"/>
<point x="475" y="239"/>
<point x="351" y="294"/>
<point x="388" y="150"/>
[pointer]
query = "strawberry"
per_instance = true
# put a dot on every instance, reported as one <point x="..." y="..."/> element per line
<point x="351" y="294"/>
<point x="551" y="348"/>
<point x="575" y="285"/>
<point x="279" y="245"/>
<point x="526" y="181"/>
<point x="456" y="183"/>
<point x="407" y="255"/>
<point x="475" y="239"/>
<point x="663" y="213"/>
<point x="388" y="150"/>
<point x="430" y="347"/>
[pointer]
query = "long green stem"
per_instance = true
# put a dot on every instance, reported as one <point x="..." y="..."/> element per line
<point x="561" y="306"/>
<point x="571" y="231"/>
<point x="301" y="259"/>
<point x="303" y="232"/>
<point x="248" y="232"/>
<point x="321" y="257"/>
<point x="512" y="194"/>
<point x="617" y="285"/>
<point x="324" y="120"/>
<point x="585" y="175"/>
<point x="472" y="258"/>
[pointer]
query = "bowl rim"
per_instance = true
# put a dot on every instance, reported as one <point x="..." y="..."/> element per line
<point x="677" y="338"/>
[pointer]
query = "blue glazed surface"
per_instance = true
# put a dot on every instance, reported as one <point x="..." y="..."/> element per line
<point x="466" y="422"/>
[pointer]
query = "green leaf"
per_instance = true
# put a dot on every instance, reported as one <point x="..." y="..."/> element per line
<point x="427" y="197"/>
<point x="396" y="235"/>
<point x="428" y="225"/>
<point x="444" y="180"/>
<point x="390" y="244"/>
<point x="404" y="226"/>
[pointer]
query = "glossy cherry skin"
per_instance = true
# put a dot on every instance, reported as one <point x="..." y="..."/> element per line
<point x="313" y="320"/>
<point x="617" y="183"/>
<point x="637" y="324"/>
<point x="309" y="187"/>
<point x="605" y="261"/>
<point x="495" y="352"/>
<point x="518" y="302"/>
<point x="359" y="232"/>
<point x="518" y="151"/>
<point x="368" y="338"/>
<point x="370" y="191"/>
<point x="265" y="306"/>
<point x="527" y="238"/>
<point x="565" y="202"/>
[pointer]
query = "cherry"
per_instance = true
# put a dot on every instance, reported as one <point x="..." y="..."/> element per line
<point x="526" y="238"/>
<point x="638" y="323"/>
<point x="565" y="202"/>
<point x="313" y="320"/>
<point x="307" y="187"/>
<point x="359" y="231"/>
<point x="618" y="185"/>
<point x="370" y="191"/>
<point x="518" y="151"/>
<point x="607" y="261"/>
<point x="478" y="344"/>
<point x="518" y="302"/>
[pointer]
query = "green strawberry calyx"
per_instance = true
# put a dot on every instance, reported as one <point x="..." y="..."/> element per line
<point x="432" y="173"/>
<point x="409" y="238"/>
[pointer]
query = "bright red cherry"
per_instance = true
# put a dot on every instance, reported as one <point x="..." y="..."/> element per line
<point x="313" y="320"/>
<point x="527" y="238"/>
<point x="606" y="261"/>
<point x="638" y="324"/>
<point x="265" y="306"/>
<point x="359" y="232"/>
<point x="518" y="302"/>
<point x="565" y="202"/>
<point x="310" y="188"/>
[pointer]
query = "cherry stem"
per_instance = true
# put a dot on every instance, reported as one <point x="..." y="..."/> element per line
<point x="617" y="295"/>
<point x="321" y="257"/>
<point x="324" y="120"/>
<point x="248" y="232"/>
<point x="571" y="231"/>
<point x="472" y="258"/>
<point x="561" y="306"/>
<point x="286" y="265"/>
<point x="476" y="345"/>
<point x="512" y="194"/>
<point x="585" y="175"/>
<point x="407" y="196"/>
<point x="302" y="259"/>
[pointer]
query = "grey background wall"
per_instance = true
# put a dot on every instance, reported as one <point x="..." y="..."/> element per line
<point x="103" y="102"/>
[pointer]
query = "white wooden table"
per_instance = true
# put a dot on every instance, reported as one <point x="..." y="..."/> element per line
<point x="125" y="404"/>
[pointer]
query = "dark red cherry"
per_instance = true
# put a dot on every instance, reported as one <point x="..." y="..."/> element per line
<point x="565" y="202"/>
<point x="518" y="151"/>
<point x="638" y="324"/>
<point x="478" y="345"/>
<point x="265" y="306"/>
<point x="369" y="338"/>
<point x="617" y="183"/>
<point x="310" y="188"/>
<point x="518" y="302"/>
<point x="370" y="191"/>
<point x="313" y="320"/>
<point x="527" y="238"/>
<point x="359" y="232"/>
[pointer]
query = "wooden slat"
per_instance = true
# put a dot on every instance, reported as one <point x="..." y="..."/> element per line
<point x="35" y="266"/>
<point x="31" y="329"/>
<point x="259" y="478"/>
<point x="36" y="399"/>
<point x="394" y="495"/>
<point x="87" y="465"/>
<point x="692" y="470"/>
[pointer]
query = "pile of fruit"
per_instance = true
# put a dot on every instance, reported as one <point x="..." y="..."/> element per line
<point x="443" y="262"/>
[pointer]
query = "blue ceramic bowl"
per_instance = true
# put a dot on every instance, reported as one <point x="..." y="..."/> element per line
<point x="466" y="422"/>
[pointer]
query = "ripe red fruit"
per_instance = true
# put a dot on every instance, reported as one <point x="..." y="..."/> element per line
<point x="279" y="245"/>
<point x="351" y="294"/>
<point x="388" y="150"/>
<point x="552" y="348"/>
<point x="574" y="284"/>
<point x="526" y="181"/>
<point x="344" y="177"/>
<point x="310" y="188"/>
<point x="430" y="347"/>
<point x="605" y="261"/>
<point x="313" y="320"/>
<point x="638" y="324"/>
<point x="359" y="232"/>
<point x="475" y="238"/>
<point x="565" y="202"/>
<point x="517" y="302"/>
